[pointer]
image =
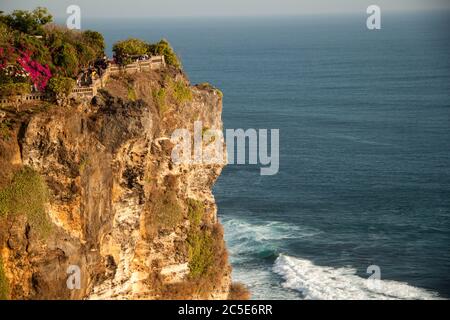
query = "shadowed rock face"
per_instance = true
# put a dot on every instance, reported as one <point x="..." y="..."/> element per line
<point x="108" y="167"/>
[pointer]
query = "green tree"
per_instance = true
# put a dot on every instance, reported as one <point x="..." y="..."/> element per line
<point x="66" y="58"/>
<point x="86" y="55"/>
<point x="61" y="88"/>
<point x="163" y="48"/>
<point x="5" y="34"/>
<point x="30" y="22"/>
<point x="95" y="40"/>
<point x="126" y="49"/>
<point x="37" y="47"/>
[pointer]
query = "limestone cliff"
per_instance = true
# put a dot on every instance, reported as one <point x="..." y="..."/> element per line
<point x="135" y="224"/>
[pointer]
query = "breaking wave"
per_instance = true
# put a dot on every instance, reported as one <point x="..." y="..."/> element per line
<point x="327" y="283"/>
<point x="262" y="239"/>
<point x="253" y="247"/>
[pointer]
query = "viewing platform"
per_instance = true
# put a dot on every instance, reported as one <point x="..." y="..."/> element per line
<point x="153" y="63"/>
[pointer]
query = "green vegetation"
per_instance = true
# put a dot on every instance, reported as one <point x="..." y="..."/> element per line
<point x="27" y="194"/>
<point x="159" y="96"/>
<point x="61" y="88"/>
<point x="166" y="210"/>
<point x="5" y="130"/>
<point x="201" y="252"/>
<point x="4" y="286"/>
<point x="177" y="92"/>
<point x="65" y="58"/>
<point x="126" y="49"/>
<point x="131" y="94"/>
<point x="84" y="162"/>
<point x="163" y="48"/>
<point x="14" y="89"/>
<point x="196" y="211"/>
<point x="61" y="85"/>
<point x="181" y="91"/>
<point x="200" y="241"/>
<point x="207" y="259"/>
<point x="30" y="22"/>
<point x="72" y="51"/>
<point x="32" y="49"/>
<point x="95" y="41"/>
<point x="208" y="86"/>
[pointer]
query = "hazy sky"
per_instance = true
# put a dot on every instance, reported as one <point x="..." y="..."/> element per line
<point x="152" y="8"/>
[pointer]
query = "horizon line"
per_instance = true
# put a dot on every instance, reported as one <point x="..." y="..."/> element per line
<point x="281" y="15"/>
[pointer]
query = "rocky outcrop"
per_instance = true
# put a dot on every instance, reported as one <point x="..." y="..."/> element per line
<point x="135" y="224"/>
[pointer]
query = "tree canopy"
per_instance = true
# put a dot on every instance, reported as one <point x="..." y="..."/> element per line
<point x="30" y="22"/>
<point x="163" y="48"/>
<point x="32" y="49"/>
<point x="125" y="50"/>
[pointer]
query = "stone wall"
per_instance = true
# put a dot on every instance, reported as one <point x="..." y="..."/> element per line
<point x="12" y="100"/>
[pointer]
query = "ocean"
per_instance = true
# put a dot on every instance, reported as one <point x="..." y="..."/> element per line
<point x="364" y="119"/>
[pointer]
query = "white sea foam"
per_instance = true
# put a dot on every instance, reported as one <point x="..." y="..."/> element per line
<point x="249" y="238"/>
<point x="266" y="231"/>
<point x="326" y="283"/>
<point x="246" y="239"/>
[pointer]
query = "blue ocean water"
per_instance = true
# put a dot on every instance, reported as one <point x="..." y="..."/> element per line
<point x="364" y="119"/>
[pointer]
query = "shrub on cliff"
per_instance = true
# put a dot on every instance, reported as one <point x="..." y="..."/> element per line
<point x="196" y="211"/>
<point x="207" y="253"/>
<point x="238" y="291"/>
<point x="210" y="87"/>
<point x="61" y="88"/>
<point x="163" y="48"/>
<point x="180" y="91"/>
<point x="126" y="49"/>
<point x="165" y="212"/>
<point x="13" y="89"/>
<point x="207" y="265"/>
<point x="201" y="252"/>
<point x="131" y="94"/>
<point x="5" y="129"/>
<point x="160" y="99"/>
<point x="174" y="92"/>
<point x="26" y="194"/>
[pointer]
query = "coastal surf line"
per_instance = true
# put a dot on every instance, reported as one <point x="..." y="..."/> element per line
<point x="206" y="146"/>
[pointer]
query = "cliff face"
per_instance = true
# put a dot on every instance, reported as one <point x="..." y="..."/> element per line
<point x="134" y="223"/>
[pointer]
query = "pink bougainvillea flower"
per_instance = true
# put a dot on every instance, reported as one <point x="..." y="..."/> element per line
<point x="39" y="74"/>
